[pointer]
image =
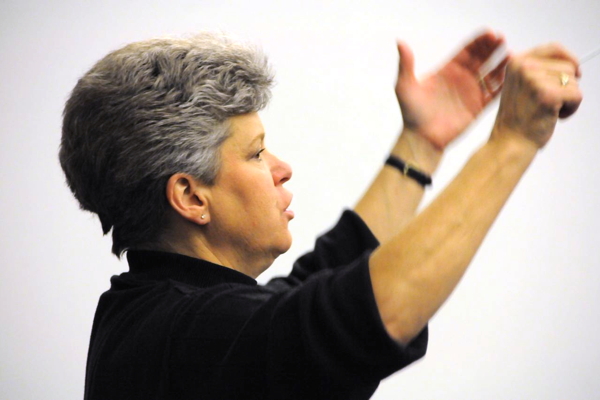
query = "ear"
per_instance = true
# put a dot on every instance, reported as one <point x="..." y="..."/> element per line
<point x="187" y="197"/>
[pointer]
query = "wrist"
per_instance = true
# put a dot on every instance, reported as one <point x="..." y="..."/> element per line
<point x="408" y="170"/>
<point x="513" y="143"/>
<point x="417" y="151"/>
<point x="509" y="148"/>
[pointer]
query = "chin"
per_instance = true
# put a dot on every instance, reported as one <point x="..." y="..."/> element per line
<point x="288" y="243"/>
<point x="284" y="246"/>
<point x="276" y="252"/>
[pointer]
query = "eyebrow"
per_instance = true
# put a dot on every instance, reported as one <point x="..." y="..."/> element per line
<point x="258" y="138"/>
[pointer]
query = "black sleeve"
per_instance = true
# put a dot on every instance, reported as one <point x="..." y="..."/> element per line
<point x="327" y="339"/>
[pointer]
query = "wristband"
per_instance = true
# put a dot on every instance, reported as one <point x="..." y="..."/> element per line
<point x="408" y="170"/>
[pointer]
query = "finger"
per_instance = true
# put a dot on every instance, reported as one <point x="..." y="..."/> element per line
<point x="554" y="81"/>
<point x="556" y="51"/>
<point x="554" y="66"/>
<point x="554" y="73"/>
<point x="406" y="69"/>
<point x="487" y="87"/>
<point x="486" y="41"/>
<point x="561" y="72"/>
<point x="495" y="79"/>
<point x="499" y="71"/>
<point x="569" y="108"/>
<point x="572" y="100"/>
<point x="479" y="50"/>
<point x="566" y="79"/>
<point x="536" y="67"/>
<point x="563" y="97"/>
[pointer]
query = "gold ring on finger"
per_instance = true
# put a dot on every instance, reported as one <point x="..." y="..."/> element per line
<point x="484" y="85"/>
<point x="564" y="79"/>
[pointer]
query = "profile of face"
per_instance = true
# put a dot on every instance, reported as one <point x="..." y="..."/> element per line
<point x="248" y="204"/>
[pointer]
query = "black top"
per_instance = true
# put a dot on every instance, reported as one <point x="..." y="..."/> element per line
<point x="177" y="327"/>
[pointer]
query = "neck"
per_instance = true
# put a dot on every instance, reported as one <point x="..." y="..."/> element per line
<point x="200" y="246"/>
<point x="207" y="243"/>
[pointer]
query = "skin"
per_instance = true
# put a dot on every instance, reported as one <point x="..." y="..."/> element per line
<point x="241" y="221"/>
<point x="416" y="270"/>
<point x="435" y="110"/>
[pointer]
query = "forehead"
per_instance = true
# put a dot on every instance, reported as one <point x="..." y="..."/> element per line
<point x="245" y="130"/>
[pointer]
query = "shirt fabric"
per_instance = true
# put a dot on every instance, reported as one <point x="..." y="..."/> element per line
<point x="176" y="327"/>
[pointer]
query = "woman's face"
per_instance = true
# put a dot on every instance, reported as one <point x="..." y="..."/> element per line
<point x="249" y="212"/>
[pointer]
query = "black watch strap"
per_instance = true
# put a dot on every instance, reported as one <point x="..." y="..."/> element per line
<point x="408" y="170"/>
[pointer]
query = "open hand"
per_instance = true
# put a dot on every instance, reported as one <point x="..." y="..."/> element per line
<point x="442" y="105"/>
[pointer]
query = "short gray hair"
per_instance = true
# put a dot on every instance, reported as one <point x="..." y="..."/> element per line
<point x="148" y="111"/>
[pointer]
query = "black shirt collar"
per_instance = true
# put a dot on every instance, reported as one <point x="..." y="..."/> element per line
<point x="158" y="265"/>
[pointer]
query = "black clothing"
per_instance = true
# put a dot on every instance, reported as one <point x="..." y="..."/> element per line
<point x="176" y="327"/>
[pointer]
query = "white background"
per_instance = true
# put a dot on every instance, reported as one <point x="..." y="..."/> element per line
<point x="523" y="323"/>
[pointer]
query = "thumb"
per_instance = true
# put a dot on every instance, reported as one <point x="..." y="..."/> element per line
<point x="406" y="69"/>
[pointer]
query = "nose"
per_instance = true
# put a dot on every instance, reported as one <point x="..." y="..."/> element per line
<point x="281" y="171"/>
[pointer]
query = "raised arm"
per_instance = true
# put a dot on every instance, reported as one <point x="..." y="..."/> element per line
<point x="415" y="272"/>
<point x="435" y="111"/>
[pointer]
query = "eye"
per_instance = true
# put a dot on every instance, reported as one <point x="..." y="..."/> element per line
<point x="258" y="154"/>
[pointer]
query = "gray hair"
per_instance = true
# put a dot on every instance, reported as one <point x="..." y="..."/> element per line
<point x="148" y="111"/>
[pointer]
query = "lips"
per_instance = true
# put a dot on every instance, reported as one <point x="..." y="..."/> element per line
<point x="287" y="211"/>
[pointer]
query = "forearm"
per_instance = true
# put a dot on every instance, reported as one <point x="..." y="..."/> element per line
<point x="392" y="199"/>
<point x="435" y="110"/>
<point x="415" y="272"/>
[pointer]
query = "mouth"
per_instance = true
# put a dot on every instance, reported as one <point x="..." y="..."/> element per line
<point x="289" y="213"/>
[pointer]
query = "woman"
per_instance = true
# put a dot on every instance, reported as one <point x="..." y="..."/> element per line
<point x="162" y="140"/>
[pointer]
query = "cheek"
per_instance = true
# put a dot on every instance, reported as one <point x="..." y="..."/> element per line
<point x="257" y="191"/>
<point x="254" y="202"/>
